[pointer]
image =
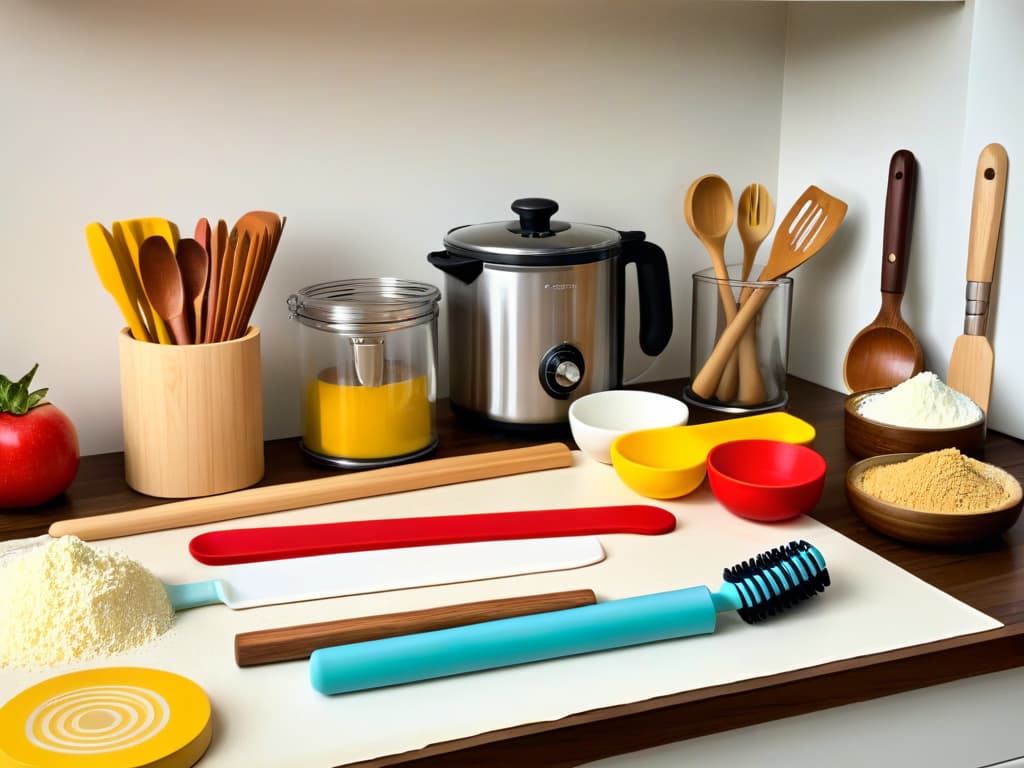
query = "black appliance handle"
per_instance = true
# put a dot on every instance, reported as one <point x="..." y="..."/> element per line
<point x="462" y="268"/>
<point x="654" y="289"/>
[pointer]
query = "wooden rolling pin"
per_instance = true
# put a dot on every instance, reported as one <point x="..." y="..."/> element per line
<point x="324" y="490"/>
<point x="267" y="646"/>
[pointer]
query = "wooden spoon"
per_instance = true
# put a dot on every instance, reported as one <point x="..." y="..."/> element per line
<point x="218" y="244"/>
<point x="162" y="281"/>
<point x="709" y="213"/>
<point x="886" y="352"/>
<point x="810" y="223"/>
<point x="194" y="265"/>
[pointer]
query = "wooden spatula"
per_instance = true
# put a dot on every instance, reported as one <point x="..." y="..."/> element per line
<point x="972" y="362"/>
<point x="810" y="223"/>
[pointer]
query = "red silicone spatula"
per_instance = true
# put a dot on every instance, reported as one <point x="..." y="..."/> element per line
<point x="247" y="545"/>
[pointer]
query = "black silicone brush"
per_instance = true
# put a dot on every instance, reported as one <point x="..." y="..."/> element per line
<point x="757" y="589"/>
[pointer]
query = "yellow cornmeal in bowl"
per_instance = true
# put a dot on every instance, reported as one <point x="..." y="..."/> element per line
<point x="66" y="601"/>
<point x="940" y="481"/>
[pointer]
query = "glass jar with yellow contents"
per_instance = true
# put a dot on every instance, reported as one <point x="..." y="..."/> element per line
<point x="368" y="350"/>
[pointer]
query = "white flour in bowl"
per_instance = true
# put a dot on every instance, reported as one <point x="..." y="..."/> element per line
<point x="65" y="601"/>
<point x="921" y="402"/>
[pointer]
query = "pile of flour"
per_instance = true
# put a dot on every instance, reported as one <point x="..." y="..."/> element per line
<point x="921" y="402"/>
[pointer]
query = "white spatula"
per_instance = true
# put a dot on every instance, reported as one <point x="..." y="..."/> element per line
<point x="249" y="585"/>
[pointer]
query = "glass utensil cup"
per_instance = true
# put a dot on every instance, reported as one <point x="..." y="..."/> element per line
<point x="368" y="351"/>
<point x="770" y="328"/>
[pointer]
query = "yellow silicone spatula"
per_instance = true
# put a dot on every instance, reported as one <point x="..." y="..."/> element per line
<point x="112" y="274"/>
<point x="130" y="233"/>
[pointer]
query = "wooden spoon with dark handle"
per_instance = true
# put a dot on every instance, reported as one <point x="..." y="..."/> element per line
<point x="886" y="352"/>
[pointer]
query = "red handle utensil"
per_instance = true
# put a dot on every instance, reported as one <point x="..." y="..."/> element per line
<point x="247" y="545"/>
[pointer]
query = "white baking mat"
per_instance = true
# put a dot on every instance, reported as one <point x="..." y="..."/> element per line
<point x="270" y="716"/>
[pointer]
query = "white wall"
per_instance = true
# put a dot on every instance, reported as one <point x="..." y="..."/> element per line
<point x="374" y="125"/>
<point x="863" y="80"/>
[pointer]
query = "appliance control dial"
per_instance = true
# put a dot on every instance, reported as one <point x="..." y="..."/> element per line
<point x="561" y="370"/>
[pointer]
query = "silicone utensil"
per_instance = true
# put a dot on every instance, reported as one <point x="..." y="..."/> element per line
<point x="672" y="461"/>
<point x="307" y="493"/>
<point x="267" y="646"/>
<point x="356" y="573"/>
<point x="709" y="213"/>
<point x="116" y="275"/>
<point x="757" y="589"/>
<point x="808" y="226"/>
<point x="886" y="352"/>
<point x="247" y="545"/>
<point x="129" y="234"/>
<point x="114" y="717"/>
<point x="972" y="361"/>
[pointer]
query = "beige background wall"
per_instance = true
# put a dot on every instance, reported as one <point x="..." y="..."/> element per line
<point x="377" y="125"/>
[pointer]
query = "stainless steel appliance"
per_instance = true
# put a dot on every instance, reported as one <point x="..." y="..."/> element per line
<point x="535" y="312"/>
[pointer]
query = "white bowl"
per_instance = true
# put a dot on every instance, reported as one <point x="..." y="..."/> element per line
<point x="600" y="417"/>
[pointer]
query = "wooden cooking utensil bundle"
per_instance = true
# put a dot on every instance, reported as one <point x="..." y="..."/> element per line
<point x="808" y="226"/>
<point x="174" y="290"/>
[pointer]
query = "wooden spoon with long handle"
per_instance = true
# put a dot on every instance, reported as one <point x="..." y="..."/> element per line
<point x="972" y="361"/>
<point x="810" y="223"/>
<point x="886" y="352"/>
<point x="194" y="265"/>
<point x="709" y="213"/>
<point x="164" y="288"/>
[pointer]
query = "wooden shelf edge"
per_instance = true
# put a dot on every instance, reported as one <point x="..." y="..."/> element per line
<point x="591" y="735"/>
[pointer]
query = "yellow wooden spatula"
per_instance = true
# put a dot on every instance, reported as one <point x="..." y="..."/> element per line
<point x="130" y="234"/>
<point x="115" y="275"/>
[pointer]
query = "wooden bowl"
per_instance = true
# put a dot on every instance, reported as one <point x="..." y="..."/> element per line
<point x="930" y="528"/>
<point x="865" y="437"/>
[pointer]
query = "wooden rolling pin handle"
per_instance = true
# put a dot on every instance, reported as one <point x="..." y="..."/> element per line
<point x="298" y="642"/>
<point x="310" y="493"/>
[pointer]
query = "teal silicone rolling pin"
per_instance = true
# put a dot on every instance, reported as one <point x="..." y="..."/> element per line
<point x="757" y="589"/>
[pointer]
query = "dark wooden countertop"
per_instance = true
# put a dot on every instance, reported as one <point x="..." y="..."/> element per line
<point x="989" y="577"/>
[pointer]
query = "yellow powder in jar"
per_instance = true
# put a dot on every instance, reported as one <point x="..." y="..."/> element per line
<point x="66" y="601"/>
<point x="353" y="421"/>
<point x="940" y="481"/>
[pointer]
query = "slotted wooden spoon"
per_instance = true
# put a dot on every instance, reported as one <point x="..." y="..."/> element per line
<point x="755" y="220"/>
<point x="810" y="223"/>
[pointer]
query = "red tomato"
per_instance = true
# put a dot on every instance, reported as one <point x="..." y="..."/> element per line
<point x="38" y="451"/>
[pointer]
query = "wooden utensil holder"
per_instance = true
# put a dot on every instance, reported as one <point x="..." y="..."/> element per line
<point x="192" y="416"/>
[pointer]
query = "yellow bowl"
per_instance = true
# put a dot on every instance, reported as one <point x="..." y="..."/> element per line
<point x="670" y="462"/>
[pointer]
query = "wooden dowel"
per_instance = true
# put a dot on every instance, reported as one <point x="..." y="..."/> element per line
<point x="324" y="490"/>
<point x="298" y="642"/>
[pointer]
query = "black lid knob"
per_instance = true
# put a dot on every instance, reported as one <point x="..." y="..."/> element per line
<point x="535" y="215"/>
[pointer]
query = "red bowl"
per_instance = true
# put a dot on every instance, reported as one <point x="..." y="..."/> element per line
<point x="766" y="480"/>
